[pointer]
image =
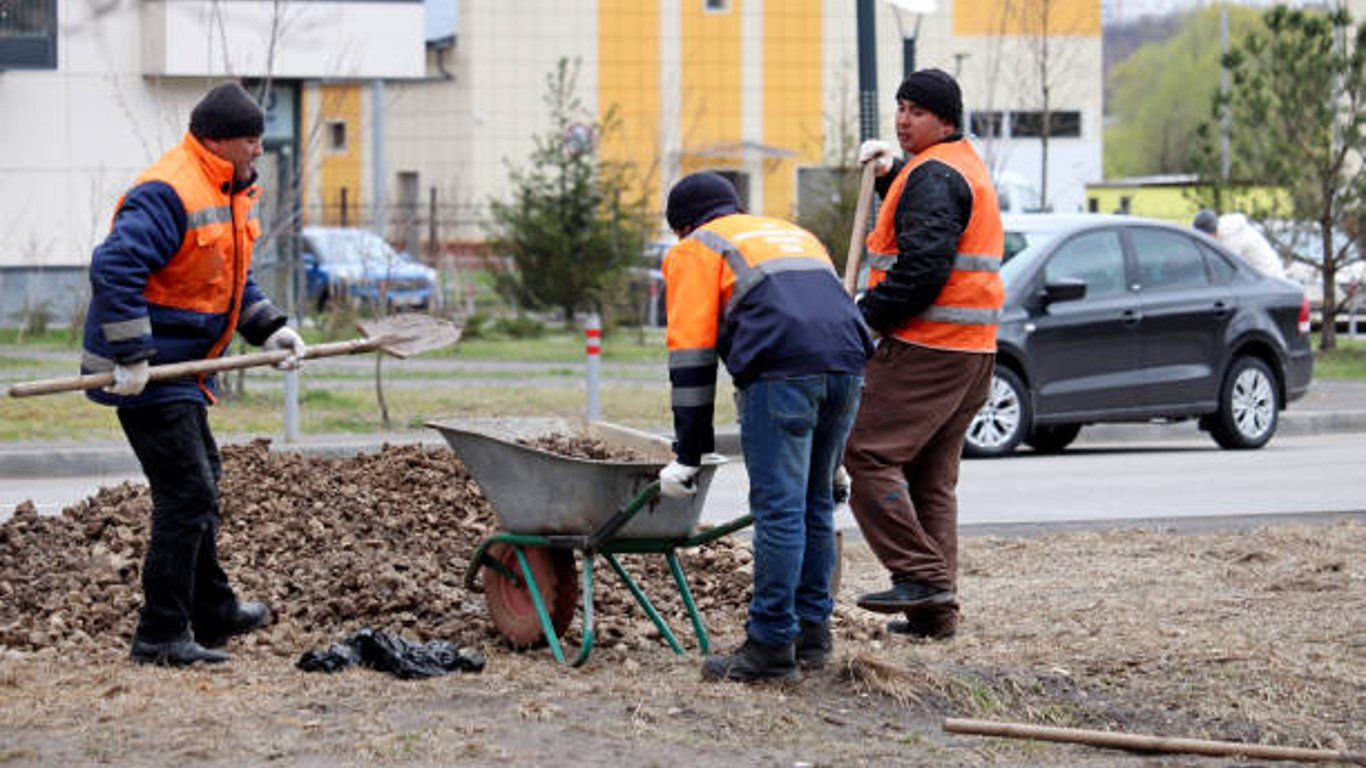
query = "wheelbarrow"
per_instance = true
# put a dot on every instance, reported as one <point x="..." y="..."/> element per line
<point x="552" y="506"/>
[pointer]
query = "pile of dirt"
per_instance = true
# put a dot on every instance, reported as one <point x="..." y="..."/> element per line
<point x="580" y="447"/>
<point x="379" y="540"/>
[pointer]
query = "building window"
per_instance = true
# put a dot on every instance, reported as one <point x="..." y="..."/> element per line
<point x="28" y="34"/>
<point x="716" y="6"/>
<point x="336" y="136"/>
<point x="986" y="125"/>
<point x="1062" y="125"/>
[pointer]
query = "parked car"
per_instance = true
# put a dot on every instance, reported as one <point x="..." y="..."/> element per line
<point x="1119" y="318"/>
<point x="347" y="264"/>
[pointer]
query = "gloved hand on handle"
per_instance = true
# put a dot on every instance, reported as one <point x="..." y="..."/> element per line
<point x="286" y="338"/>
<point x="130" y="378"/>
<point x="678" y="480"/>
<point x="877" y="151"/>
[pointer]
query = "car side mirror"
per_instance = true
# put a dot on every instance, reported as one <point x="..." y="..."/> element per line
<point x="1064" y="289"/>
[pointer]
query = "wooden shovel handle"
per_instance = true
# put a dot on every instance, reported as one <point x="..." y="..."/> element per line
<point x="865" y="201"/>
<point x="194" y="367"/>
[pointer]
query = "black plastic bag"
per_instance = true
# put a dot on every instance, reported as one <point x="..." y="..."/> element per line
<point x="393" y="654"/>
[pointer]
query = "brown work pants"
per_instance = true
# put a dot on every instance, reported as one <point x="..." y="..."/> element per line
<point x="904" y="451"/>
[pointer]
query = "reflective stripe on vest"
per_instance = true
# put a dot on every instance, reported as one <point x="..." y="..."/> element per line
<point x="968" y="308"/>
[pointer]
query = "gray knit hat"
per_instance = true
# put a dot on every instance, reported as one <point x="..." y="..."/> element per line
<point x="227" y="112"/>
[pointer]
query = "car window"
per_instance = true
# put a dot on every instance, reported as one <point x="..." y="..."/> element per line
<point x="1220" y="267"/>
<point x="1017" y="241"/>
<point x="1094" y="257"/>
<point x="1167" y="260"/>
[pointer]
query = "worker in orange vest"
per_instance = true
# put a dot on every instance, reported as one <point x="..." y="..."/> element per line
<point x="935" y="296"/>
<point x="760" y="295"/>
<point x="172" y="283"/>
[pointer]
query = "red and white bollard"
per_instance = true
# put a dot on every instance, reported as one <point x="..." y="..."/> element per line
<point x="594" y="350"/>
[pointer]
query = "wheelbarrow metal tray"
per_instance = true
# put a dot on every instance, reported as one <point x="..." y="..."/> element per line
<point x="534" y="491"/>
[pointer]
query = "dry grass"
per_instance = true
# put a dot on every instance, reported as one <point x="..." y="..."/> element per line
<point x="1254" y="636"/>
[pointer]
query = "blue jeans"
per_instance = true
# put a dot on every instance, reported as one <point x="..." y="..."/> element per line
<point x="792" y="432"/>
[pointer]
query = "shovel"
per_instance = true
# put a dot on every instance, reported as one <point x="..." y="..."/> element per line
<point x="852" y="263"/>
<point x="400" y="336"/>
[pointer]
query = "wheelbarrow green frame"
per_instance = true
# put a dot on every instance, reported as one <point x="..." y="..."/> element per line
<point x="601" y="542"/>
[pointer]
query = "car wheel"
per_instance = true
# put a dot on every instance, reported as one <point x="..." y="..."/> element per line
<point x="1052" y="438"/>
<point x="1003" y="420"/>
<point x="1249" y="406"/>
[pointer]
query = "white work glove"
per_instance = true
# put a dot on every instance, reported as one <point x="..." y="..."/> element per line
<point x="877" y="151"/>
<point x="844" y="485"/>
<point x="130" y="379"/>
<point x="286" y="338"/>
<point x="677" y="480"/>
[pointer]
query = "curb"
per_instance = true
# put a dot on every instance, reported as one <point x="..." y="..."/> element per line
<point x="50" y="460"/>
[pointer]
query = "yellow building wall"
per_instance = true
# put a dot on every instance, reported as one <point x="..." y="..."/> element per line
<point x="338" y="168"/>
<point x="711" y="83"/>
<point x="793" y="119"/>
<point x="1176" y="203"/>
<point x="1027" y="17"/>
<point x="628" y="81"/>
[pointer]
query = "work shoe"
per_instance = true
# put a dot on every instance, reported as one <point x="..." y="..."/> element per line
<point x="814" y="644"/>
<point x="930" y="624"/>
<point x="181" y="652"/>
<point x="753" y="661"/>
<point x="248" y="617"/>
<point x="905" y="595"/>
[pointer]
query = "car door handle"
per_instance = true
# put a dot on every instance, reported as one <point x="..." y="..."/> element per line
<point x="1222" y="309"/>
<point x="1131" y="317"/>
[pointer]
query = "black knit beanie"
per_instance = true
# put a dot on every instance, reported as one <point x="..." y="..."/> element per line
<point x="698" y="198"/>
<point x="227" y="112"/>
<point x="935" y="90"/>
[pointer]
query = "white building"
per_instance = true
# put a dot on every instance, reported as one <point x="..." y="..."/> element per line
<point x="374" y="123"/>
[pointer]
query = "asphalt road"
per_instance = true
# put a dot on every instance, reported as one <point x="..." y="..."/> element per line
<point x="1098" y="482"/>
<point x="1144" y="482"/>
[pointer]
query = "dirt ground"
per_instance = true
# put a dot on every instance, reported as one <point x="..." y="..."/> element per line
<point x="1256" y="636"/>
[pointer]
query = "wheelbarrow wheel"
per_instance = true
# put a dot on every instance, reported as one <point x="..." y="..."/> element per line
<point x="509" y="602"/>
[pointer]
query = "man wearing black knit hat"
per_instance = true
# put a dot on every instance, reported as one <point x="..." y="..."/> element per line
<point x="935" y="296"/>
<point x="172" y="283"/>
<point x="760" y="295"/>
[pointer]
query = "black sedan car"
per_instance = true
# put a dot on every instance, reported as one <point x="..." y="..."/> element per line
<point x="1118" y="318"/>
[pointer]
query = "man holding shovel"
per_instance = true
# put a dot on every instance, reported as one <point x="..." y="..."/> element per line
<point x="935" y="296"/>
<point x="172" y="283"/>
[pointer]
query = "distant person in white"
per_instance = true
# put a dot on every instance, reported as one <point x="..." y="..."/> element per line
<point x="1237" y="234"/>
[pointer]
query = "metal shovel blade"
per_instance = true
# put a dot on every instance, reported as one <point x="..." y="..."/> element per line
<point x="409" y="334"/>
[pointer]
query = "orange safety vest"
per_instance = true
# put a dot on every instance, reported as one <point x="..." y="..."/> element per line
<point x="965" y="314"/>
<point x="209" y="271"/>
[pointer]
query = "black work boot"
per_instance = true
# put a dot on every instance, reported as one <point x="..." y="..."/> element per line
<point x="929" y="623"/>
<point x="752" y="662"/>
<point x="905" y="595"/>
<point x="814" y="644"/>
<point x="180" y="652"/>
<point x="246" y="617"/>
